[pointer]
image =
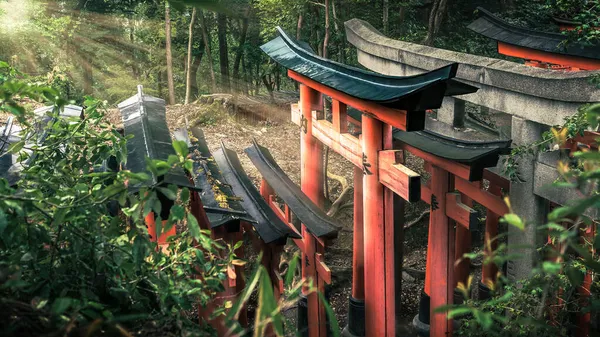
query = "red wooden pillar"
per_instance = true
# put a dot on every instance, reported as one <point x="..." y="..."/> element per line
<point x="390" y="243"/>
<point x="441" y="265"/>
<point x="311" y="181"/>
<point x="379" y="307"/>
<point x="162" y="238"/>
<point x="356" y="305"/>
<point x="358" y="258"/>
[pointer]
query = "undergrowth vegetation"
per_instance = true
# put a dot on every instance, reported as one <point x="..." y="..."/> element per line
<point x="562" y="288"/>
<point x="75" y="255"/>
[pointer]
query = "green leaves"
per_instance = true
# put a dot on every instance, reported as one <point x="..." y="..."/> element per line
<point x="180" y="148"/>
<point x="193" y="226"/>
<point x="551" y="267"/>
<point x="61" y="305"/>
<point x="574" y="275"/>
<point x="16" y="147"/>
<point x="268" y="308"/>
<point x="514" y="220"/>
<point x="170" y="193"/>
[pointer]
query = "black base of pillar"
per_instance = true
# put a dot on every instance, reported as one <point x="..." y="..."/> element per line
<point x="302" y="320"/>
<point x="356" y="319"/>
<point x="421" y="321"/>
<point x="485" y="293"/>
<point x="421" y="328"/>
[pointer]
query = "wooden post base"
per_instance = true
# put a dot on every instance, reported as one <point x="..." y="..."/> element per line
<point x="356" y="319"/>
<point x="422" y="319"/>
<point x="302" y="316"/>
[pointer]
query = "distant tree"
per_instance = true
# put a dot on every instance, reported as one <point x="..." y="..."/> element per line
<point x="438" y="11"/>
<point x="206" y="39"/>
<point x="170" y="83"/>
<point x="223" y="51"/>
<point x="188" y="82"/>
<point x="386" y="13"/>
<point x="240" y="50"/>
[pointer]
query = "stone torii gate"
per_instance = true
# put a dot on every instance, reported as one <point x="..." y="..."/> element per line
<point x="386" y="103"/>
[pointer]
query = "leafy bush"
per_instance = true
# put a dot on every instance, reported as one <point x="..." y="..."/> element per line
<point x="71" y="265"/>
<point x="66" y="263"/>
<point x="546" y="303"/>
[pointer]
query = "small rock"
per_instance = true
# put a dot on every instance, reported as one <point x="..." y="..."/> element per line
<point x="406" y="277"/>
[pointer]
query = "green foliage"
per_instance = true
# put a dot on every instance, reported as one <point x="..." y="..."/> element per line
<point x="586" y="16"/>
<point x="69" y="262"/>
<point x="574" y="126"/>
<point x="545" y="303"/>
<point x="62" y="251"/>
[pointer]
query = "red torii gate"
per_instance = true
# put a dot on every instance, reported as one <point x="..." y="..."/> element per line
<point x="385" y="103"/>
<point x="538" y="49"/>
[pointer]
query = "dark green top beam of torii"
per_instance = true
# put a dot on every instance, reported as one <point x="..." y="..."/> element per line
<point x="411" y="93"/>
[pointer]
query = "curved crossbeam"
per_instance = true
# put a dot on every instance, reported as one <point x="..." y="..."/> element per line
<point x="267" y="224"/>
<point x="315" y="219"/>
<point x="144" y="117"/>
<point x="551" y="45"/>
<point x="475" y="155"/>
<point x="218" y="199"/>
<point x="413" y="93"/>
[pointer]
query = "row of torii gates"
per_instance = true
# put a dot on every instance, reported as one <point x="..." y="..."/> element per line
<point x="388" y="116"/>
<point x="375" y="121"/>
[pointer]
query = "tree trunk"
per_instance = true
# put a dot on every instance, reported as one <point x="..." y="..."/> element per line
<point x="170" y="83"/>
<point x="207" y="50"/>
<point x="401" y="17"/>
<point x="88" y="78"/>
<point x="269" y="85"/>
<point x="342" y="47"/>
<point x="386" y="13"/>
<point x="223" y="52"/>
<point x="315" y="32"/>
<point x="277" y="77"/>
<point x="194" y="75"/>
<point x="188" y="80"/>
<point x="245" y="71"/>
<point x="239" y="53"/>
<point x="134" y="64"/>
<point x="326" y="39"/>
<point x="299" y="27"/>
<point x="159" y="84"/>
<point x="438" y="11"/>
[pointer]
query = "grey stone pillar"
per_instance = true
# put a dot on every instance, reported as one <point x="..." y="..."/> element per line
<point x="452" y="112"/>
<point x="525" y="203"/>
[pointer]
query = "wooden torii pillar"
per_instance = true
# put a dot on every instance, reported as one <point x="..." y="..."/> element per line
<point x="380" y="176"/>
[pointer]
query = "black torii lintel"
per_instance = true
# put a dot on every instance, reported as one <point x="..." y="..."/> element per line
<point x="315" y="219"/>
<point x="267" y="225"/>
<point x="220" y="203"/>
<point x="411" y="93"/>
<point x="144" y="117"/>
<point x="497" y="29"/>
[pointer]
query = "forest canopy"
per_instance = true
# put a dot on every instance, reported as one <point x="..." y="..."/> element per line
<point x="106" y="47"/>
